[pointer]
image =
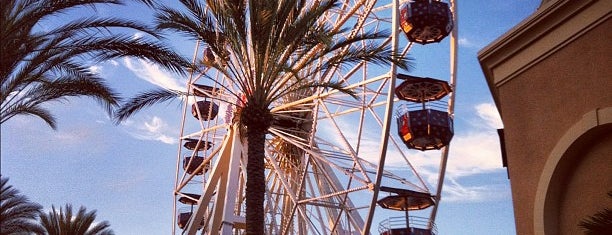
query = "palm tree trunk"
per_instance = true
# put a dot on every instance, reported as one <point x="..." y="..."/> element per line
<point x="255" y="185"/>
<point x="257" y="121"/>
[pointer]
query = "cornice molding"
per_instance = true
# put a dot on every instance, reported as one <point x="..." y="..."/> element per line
<point x="554" y="25"/>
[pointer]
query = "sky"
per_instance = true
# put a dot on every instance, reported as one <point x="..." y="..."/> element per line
<point x="126" y="172"/>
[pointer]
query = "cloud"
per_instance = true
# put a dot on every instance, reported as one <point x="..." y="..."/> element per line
<point x="100" y="68"/>
<point x="95" y="69"/>
<point x="35" y="137"/>
<point x="154" y="129"/>
<point x="454" y="191"/>
<point x="471" y="155"/>
<point x="464" y="42"/>
<point x="154" y="74"/>
<point x="474" y="152"/>
<point x="488" y="112"/>
<point x="138" y="35"/>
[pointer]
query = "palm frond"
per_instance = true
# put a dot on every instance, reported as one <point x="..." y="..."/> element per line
<point x="195" y="24"/>
<point x="32" y="59"/>
<point x="34" y="110"/>
<point x="599" y="223"/>
<point x="65" y="222"/>
<point x="117" y="46"/>
<point x="143" y="100"/>
<point x="334" y="86"/>
<point x="378" y="55"/>
<point x="33" y="95"/>
<point x="64" y="87"/>
<point x="93" y="25"/>
<point x="17" y="212"/>
<point x="149" y="3"/>
<point x="100" y="229"/>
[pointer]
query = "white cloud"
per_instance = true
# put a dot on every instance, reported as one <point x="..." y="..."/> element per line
<point x="475" y="152"/>
<point x="488" y="112"/>
<point x="154" y="74"/>
<point x="467" y="43"/>
<point x="456" y="192"/>
<point x="471" y="154"/>
<point x="36" y="137"/>
<point x="138" y="35"/>
<point x="100" y="68"/>
<point x="95" y="69"/>
<point x="153" y="129"/>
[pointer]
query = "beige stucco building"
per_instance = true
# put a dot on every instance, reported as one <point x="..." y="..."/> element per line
<point x="551" y="79"/>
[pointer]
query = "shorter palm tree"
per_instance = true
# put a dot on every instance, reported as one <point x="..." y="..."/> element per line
<point x="17" y="214"/>
<point x="65" y="222"/>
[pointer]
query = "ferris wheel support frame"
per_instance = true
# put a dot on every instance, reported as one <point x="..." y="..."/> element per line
<point x="451" y="109"/>
<point x="178" y="156"/>
<point x="223" y="178"/>
<point x="387" y="122"/>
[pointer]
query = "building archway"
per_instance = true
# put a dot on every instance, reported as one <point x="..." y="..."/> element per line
<point x="577" y="171"/>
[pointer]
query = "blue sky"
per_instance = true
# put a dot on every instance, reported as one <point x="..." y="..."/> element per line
<point x="126" y="172"/>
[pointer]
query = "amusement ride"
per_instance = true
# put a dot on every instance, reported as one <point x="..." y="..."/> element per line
<point x="334" y="164"/>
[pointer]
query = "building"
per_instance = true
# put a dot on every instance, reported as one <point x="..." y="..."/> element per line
<point x="551" y="79"/>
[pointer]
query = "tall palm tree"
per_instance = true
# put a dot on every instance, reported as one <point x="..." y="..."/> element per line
<point x="269" y="49"/>
<point x="65" y="222"/>
<point x="39" y="65"/>
<point x="17" y="214"/>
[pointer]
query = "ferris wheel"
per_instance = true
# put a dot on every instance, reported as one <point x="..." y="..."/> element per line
<point x="335" y="164"/>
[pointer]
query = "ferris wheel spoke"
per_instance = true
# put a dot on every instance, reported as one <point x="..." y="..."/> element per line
<point x="345" y="143"/>
<point x="335" y="154"/>
<point x="370" y="107"/>
<point x="283" y="188"/>
<point x="282" y="178"/>
<point x="218" y="130"/>
<point x="340" y="199"/>
<point x="331" y="189"/>
<point x="323" y="95"/>
<point x="317" y="153"/>
<point x="273" y="206"/>
<point x="423" y="186"/>
<point x="320" y="208"/>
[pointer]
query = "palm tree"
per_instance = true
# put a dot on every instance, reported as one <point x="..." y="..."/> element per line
<point x="39" y="66"/>
<point x="269" y="49"/>
<point x="65" y="222"/>
<point x="599" y="223"/>
<point x="17" y="214"/>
